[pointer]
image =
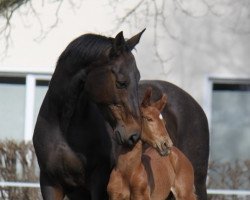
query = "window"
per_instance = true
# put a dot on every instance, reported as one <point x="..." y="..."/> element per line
<point x="20" y="100"/>
<point x="40" y="91"/>
<point x="230" y="121"/>
<point x="12" y="101"/>
<point x="36" y="87"/>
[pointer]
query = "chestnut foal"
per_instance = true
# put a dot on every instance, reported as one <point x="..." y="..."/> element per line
<point x="142" y="173"/>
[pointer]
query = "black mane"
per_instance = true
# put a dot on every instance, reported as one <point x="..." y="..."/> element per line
<point x="80" y="53"/>
<point x="83" y="51"/>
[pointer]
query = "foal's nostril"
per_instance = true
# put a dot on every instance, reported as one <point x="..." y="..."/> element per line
<point x="133" y="139"/>
<point x="164" y="146"/>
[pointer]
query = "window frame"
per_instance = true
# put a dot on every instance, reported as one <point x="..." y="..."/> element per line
<point x="31" y="83"/>
<point x="208" y="91"/>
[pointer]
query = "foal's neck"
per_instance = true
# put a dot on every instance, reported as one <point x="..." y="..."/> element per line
<point x="129" y="159"/>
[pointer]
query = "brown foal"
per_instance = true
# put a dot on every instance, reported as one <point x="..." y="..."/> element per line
<point x="145" y="174"/>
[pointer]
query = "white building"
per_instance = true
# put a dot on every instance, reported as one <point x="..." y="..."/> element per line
<point x="209" y="58"/>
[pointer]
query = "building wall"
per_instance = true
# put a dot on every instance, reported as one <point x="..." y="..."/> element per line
<point x="206" y="46"/>
<point x="210" y="49"/>
<point x="200" y="50"/>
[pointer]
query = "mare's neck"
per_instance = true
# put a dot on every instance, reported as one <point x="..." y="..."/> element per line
<point x="128" y="159"/>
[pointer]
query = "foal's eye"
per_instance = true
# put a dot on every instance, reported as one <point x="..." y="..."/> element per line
<point x="148" y="119"/>
<point x="121" y="84"/>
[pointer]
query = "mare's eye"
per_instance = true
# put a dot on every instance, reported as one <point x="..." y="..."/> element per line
<point x="115" y="107"/>
<point x="118" y="106"/>
<point x="121" y="84"/>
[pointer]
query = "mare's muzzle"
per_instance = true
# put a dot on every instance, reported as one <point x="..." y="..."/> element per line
<point x="129" y="141"/>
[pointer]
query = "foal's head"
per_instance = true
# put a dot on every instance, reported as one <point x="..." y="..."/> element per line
<point x="153" y="125"/>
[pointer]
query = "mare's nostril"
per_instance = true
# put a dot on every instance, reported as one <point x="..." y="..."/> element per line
<point x="133" y="139"/>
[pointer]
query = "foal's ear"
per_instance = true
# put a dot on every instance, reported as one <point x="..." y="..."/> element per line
<point x="132" y="42"/>
<point x="160" y="104"/>
<point x="147" y="97"/>
<point x="119" y="45"/>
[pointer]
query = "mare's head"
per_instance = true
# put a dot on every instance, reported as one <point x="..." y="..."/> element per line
<point x="154" y="131"/>
<point x="113" y="78"/>
<point x="126" y="124"/>
<point x="107" y="74"/>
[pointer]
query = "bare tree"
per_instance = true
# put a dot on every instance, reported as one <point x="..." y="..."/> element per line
<point x="160" y="15"/>
<point x="8" y="8"/>
<point x="154" y="14"/>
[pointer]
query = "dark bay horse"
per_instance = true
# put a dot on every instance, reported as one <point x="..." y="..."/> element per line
<point x="142" y="173"/>
<point x="187" y="126"/>
<point x="72" y="136"/>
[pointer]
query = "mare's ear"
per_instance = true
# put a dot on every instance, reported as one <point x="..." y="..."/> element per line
<point x="161" y="103"/>
<point x="119" y="45"/>
<point x="132" y="42"/>
<point x="147" y="97"/>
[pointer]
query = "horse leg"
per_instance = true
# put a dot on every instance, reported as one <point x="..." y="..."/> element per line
<point x="200" y="183"/>
<point x="139" y="185"/>
<point x="183" y="190"/>
<point x="181" y="194"/>
<point x="116" y="188"/>
<point x="79" y="194"/>
<point x="49" y="190"/>
<point x="186" y="197"/>
<point x="171" y="196"/>
<point x="99" y="182"/>
<point x="199" y="160"/>
<point x="142" y="195"/>
<point x="140" y="192"/>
